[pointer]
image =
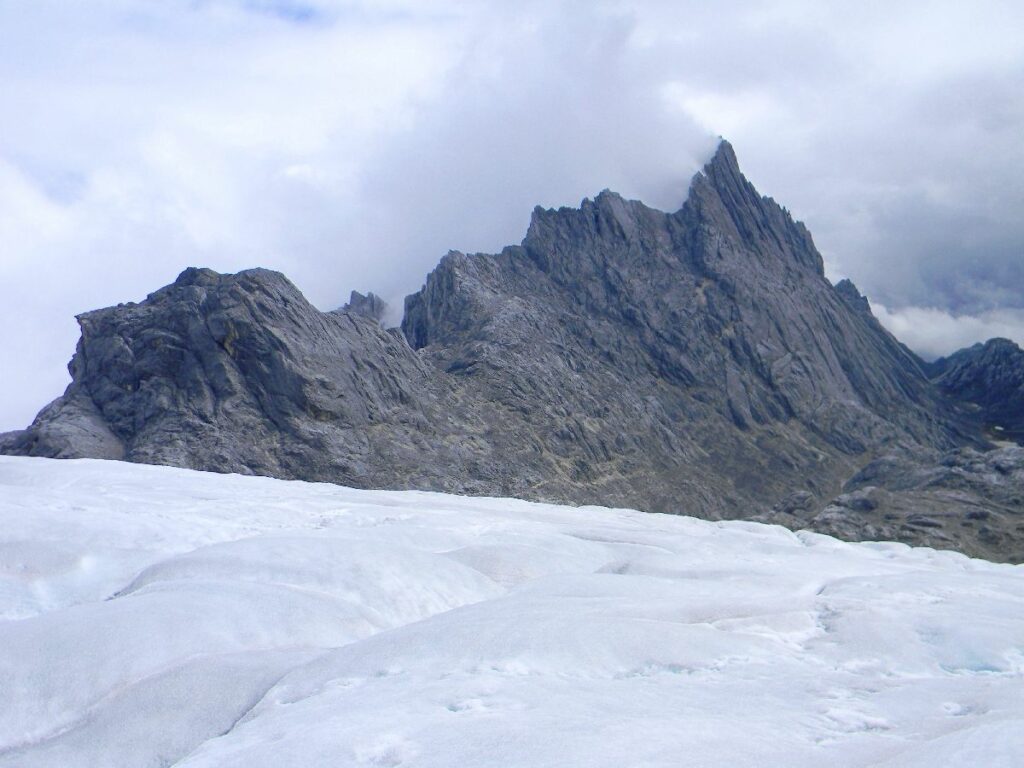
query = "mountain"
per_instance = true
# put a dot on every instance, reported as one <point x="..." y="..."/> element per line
<point x="371" y="305"/>
<point x="989" y="376"/>
<point x="693" y="362"/>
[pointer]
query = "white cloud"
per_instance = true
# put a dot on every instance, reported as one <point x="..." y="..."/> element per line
<point x="936" y="333"/>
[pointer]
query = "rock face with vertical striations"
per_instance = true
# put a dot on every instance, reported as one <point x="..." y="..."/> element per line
<point x="694" y="362"/>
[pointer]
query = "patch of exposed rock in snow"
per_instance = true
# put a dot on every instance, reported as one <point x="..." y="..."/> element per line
<point x="152" y="616"/>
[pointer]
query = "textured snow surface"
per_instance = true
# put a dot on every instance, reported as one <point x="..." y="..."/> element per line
<point x="152" y="616"/>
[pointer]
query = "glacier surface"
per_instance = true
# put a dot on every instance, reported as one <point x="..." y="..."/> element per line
<point x="152" y="616"/>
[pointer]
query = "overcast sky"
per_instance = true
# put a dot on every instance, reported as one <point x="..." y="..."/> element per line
<point x="351" y="144"/>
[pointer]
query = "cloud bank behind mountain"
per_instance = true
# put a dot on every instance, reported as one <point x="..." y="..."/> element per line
<point x="351" y="145"/>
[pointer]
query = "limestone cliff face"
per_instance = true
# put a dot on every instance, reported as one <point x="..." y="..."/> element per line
<point x="696" y="362"/>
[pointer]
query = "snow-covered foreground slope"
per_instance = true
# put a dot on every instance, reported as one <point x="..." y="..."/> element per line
<point x="153" y="616"/>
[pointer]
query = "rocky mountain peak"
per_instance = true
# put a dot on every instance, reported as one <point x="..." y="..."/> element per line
<point x="723" y="168"/>
<point x="1001" y="346"/>
<point x="371" y="305"/>
<point x="197" y="285"/>
<point x="851" y="295"/>
<point x="990" y="377"/>
<point x="696" y="361"/>
<point x="721" y="194"/>
<point x="196" y="276"/>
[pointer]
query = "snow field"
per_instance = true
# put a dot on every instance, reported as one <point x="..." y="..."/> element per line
<point x="152" y="616"/>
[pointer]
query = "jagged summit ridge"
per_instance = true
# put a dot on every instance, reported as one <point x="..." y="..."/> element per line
<point x="851" y="294"/>
<point x="696" y="361"/>
<point x="370" y="305"/>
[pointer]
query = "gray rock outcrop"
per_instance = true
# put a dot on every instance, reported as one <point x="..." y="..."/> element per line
<point x="371" y="305"/>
